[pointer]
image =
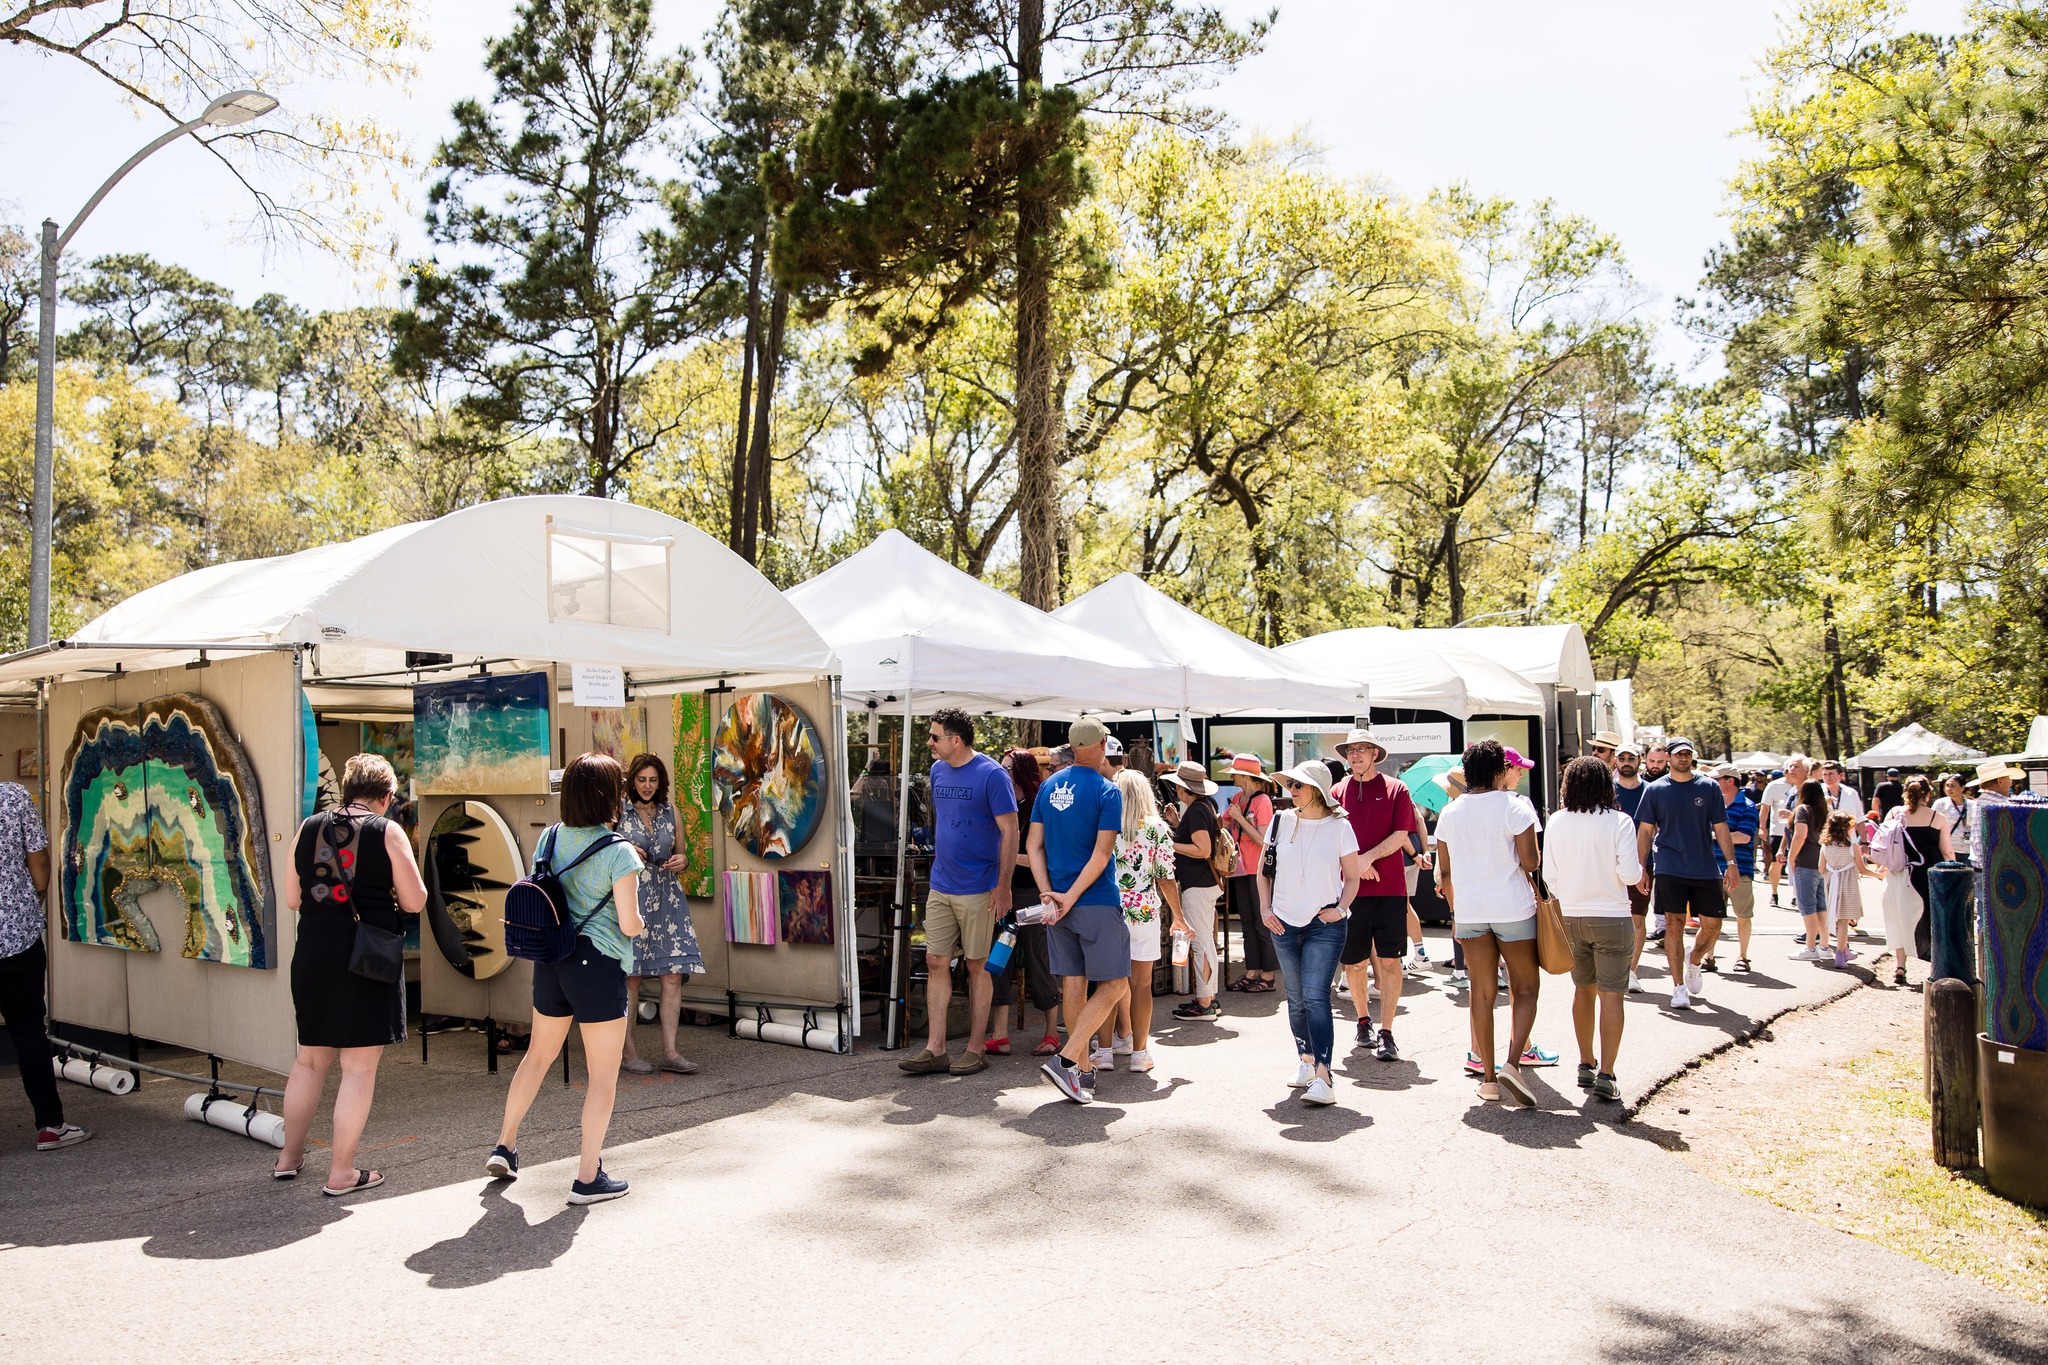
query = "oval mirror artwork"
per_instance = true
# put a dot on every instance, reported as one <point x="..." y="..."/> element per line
<point x="769" y="766"/>
<point x="471" y="860"/>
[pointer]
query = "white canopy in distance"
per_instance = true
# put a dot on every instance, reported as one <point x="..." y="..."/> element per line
<point x="1916" y="746"/>
<point x="1405" y="670"/>
<point x="1227" y="674"/>
<point x="904" y="621"/>
<point x="1554" y="656"/>
<point x="549" y="579"/>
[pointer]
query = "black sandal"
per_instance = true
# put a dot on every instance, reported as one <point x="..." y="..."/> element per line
<point x="365" y="1180"/>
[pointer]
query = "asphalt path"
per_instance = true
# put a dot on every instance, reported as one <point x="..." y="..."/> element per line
<point x="790" y="1205"/>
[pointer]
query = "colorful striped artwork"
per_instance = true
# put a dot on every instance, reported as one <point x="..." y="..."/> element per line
<point x="2012" y="902"/>
<point x="696" y="717"/>
<point x="752" y="907"/>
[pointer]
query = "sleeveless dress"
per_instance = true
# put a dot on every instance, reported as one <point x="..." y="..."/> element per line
<point x="334" y="1006"/>
<point x="1923" y="850"/>
<point x="668" y="944"/>
<point x="1844" y="899"/>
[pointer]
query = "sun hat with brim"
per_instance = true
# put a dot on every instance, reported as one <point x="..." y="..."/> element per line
<point x="1189" y="777"/>
<point x="1452" y="780"/>
<point x="1312" y="773"/>
<point x="1514" y="758"/>
<point x="1995" y="769"/>
<point x="1362" y="736"/>
<point x="1250" y="766"/>
<point x="1606" y="739"/>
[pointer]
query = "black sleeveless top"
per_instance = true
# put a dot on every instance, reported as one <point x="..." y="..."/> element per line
<point x="370" y="895"/>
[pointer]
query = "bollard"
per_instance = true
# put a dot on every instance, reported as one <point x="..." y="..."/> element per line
<point x="1951" y="1010"/>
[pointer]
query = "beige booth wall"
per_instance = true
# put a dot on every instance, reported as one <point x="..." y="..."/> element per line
<point x="239" y="1013"/>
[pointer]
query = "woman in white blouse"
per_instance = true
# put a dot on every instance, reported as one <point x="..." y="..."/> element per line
<point x="1308" y="878"/>
<point x="1589" y="863"/>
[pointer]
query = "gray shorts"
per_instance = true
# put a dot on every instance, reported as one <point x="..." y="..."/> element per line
<point x="1090" y="941"/>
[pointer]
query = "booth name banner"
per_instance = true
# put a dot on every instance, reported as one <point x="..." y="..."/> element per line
<point x="161" y="797"/>
<point x="488" y="736"/>
<point x="771" y="775"/>
<point x="597" y="685"/>
<point x="1427" y="738"/>
<point x="696" y="798"/>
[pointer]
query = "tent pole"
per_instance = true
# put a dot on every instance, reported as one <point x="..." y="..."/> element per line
<point x="899" y="929"/>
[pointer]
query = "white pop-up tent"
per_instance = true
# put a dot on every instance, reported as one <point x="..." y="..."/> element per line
<point x="1226" y="673"/>
<point x="1549" y="656"/>
<point x="1915" y="746"/>
<point x="1419" y="670"/>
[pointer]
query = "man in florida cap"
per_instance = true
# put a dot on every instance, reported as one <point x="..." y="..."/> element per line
<point x="1074" y="825"/>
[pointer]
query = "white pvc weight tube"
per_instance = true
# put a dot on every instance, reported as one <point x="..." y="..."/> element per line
<point x="236" y="1117"/>
<point x="107" y="1078"/>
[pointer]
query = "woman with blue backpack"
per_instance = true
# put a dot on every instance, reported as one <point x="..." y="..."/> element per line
<point x="575" y="919"/>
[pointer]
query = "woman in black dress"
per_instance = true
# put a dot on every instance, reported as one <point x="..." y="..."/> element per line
<point x="371" y="874"/>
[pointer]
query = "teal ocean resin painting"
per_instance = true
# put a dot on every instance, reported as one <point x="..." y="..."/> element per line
<point x="161" y="797"/>
<point x="482" y="736"/>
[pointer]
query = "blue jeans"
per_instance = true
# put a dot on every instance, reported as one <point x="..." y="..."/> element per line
<point x="1808" y="885"/>
<point x="1308" y="959"/>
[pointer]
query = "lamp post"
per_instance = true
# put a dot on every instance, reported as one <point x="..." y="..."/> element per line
<point x="230" y="110"/>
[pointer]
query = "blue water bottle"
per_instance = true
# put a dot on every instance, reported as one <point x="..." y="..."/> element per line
<point x="999" y="951"/>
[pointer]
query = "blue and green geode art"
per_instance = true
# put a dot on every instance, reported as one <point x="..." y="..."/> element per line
<point x="161" y="797"/>
<point x="2012" y="901"/>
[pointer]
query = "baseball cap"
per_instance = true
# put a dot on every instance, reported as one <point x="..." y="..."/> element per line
<point x="1515" y="759"/>
<point x="1727" y="770"/>
<point x="1672" y="746"/>
<point x="1086" y="733"/>
<point x="1629" y="747"/>
<point x="1777" y="772"/>
<point x="1113" y="746"/>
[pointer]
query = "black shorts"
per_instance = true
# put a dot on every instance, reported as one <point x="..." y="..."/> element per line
<point x="1680" y="897"/>
<point x="1777" y="842"/>
<point x="1378" y="928"/>
<point x="586" y="985"/>
<point x="1638" y="901"/>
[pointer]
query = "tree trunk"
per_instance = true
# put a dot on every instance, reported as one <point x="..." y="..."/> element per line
<point x="734" y="535"/>
<point x="758" y="513"/>
<point x="1037" y="436"/>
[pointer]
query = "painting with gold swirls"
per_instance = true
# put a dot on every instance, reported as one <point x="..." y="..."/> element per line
<point x="770" y="769"/>
<point x="161" y="796"/>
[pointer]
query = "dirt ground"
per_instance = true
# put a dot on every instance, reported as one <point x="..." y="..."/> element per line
<point x="1827" y="1118"/>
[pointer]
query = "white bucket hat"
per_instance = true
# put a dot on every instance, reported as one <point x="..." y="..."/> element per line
<point x="1314" y="772"/>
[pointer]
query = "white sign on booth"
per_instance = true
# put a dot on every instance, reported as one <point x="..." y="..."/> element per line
<point x="598" y="685"/>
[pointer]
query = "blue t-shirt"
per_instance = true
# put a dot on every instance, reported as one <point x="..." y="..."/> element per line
<point x="1075" y="805"/>
<point x="1743" y="816"/>
<point x="965" y="803"/>
<point x="1630" y="799"/>
<point x="1685" y="814"/>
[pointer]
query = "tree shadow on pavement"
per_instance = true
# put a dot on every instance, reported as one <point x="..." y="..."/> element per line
<point x="1836" y="1334"/>
<point x="500" y="1243"/>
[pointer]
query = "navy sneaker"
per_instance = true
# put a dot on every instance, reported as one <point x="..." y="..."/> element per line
<point x="598" y="1190"/>
<point x="1367" y="1034"/>
<point x="1067" y="1079"/>
<point x="1195" y="1010"/>
<point x="502" y="1163"/>
<point x="1386" y="1051"/>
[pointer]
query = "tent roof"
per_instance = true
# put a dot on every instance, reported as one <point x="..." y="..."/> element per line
<point x="901" y="620"/>
<point x="1420" y="669"/>
<point x="1553" y="656"/>
<point x="1227" y="674"/>
<point x="1916" y="746"/>
<point x="473" y="583"/>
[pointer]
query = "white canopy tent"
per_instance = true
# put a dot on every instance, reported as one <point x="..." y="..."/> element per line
<point x="1554" y="656"/>
<point x="1916" y="746"/>
<point x="1420" y="670"/>
<point x="1226" y="673"/>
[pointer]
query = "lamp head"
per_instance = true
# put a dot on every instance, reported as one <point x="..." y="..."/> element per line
<point x="237" y="107"/>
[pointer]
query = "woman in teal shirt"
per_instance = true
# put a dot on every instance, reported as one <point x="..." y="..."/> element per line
<point x="588" y="987"/>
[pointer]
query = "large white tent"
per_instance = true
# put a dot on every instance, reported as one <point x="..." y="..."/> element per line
<point x="584" y="580"/>
<point x="1404" y="669"/>
<point x="903" y="622"/>
<point x="1915" y="746"/>
<point x="1226" y="673"/>
<point x="1550" y="656"/>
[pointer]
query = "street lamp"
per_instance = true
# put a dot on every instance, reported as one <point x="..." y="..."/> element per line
<point x="229" y="111"/>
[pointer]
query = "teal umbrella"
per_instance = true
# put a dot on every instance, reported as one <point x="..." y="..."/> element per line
<point x="1420" y="778"/>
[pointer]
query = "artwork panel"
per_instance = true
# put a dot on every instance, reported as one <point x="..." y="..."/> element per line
<point x="471" y="860"/>
<point x="618" y="732"/>
<point x="483" y="736"/>
<point x="771" y="774"/>
<point x="692" y="789"/>
<point x="805" y="900"/>
<point x="2013" y="915"/>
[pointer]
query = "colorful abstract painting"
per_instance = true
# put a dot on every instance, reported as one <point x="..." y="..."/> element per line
<point x="161" y="797"/>
<point x="2012" y="899"/>
<point x="482" y="736"/>
<point x="618" y="732"/>
<point x="752" y="907"/>
<point x="806" y="906"/>
<point x="692" y="790"/>
<point x="472" y="859"/>
<point x="771" y="776"/>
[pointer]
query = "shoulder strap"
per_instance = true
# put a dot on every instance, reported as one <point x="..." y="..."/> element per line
<point x="607" y="841"/>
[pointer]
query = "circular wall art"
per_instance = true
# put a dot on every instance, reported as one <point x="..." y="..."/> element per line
<point x="471" y="860"/>
<point x="769" y="766"/>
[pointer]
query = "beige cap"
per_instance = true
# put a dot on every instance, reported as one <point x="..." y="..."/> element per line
<point x="1087" y="732"/>
<point x="1362" y="736"/>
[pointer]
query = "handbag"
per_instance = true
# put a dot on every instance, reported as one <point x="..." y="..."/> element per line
<point x="1553" y="948"/>
<point x="378" y="954"/>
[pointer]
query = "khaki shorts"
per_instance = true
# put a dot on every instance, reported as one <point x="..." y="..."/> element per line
<point x="1601" y="948"/>
<point x="1744" y="899"/>
<point x="959" y="926"/>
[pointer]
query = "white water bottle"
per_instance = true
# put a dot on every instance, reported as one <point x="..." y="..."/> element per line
<point x="1181" y="939"/>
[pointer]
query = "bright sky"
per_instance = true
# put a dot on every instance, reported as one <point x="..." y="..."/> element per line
<point x="1621" y="111"/>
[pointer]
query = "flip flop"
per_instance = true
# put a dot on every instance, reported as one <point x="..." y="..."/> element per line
<point x="365" y="1180"/>
<point x="283" y="1173"/>
<point x="681" y="1066"/>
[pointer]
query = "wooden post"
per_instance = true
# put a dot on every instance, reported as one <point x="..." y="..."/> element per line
<point x="1951" y="1012"/>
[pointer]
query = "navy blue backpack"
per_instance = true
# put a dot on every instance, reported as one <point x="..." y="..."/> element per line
<point x="537" y="923"/>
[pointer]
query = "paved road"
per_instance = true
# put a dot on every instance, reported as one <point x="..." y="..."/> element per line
<point x="793" y="1205"/>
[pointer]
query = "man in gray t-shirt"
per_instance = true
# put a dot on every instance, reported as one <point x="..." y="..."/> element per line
<point x="24" y="878"/>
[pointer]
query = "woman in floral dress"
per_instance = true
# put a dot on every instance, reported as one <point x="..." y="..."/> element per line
<point x="667" y="948"/>
<point x="1144" y="875"/>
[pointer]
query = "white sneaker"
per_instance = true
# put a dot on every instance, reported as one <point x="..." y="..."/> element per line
<point x="1141" y="1060"/>
<point x="1318" y="1092"/>
<point x="1103" y="1059"/>
<point x="1635" y="984"/>
<point x="1120" y="1044"/>
<point x="1343" y="987"/>
<point x="1680" y="1000"/>
<point x="1303" y="1074"/>
<point x="1809" y="955"/>
<point x="1459" y="976"/>
<point x="1695" y="978"/>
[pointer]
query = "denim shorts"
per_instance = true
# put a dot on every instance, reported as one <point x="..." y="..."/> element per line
<point x="586" y="985"/>
<point x="1507" y="931"/>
